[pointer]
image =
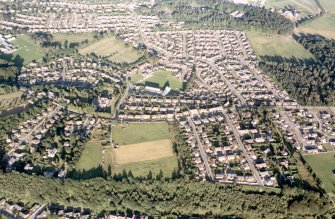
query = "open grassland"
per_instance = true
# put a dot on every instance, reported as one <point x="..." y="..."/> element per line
<point x="73" y="37"/>
<point x="114" y="49"/>
<point x="10" y="100"/>
<point x="276" y="45"/>
<point x="91" y="156"/>
<point x="167" y="165"/>
<point x="305" y="7"/>
<point x="134" y="133"/>
<point x="323" y="165"/>
<point x="324" y="25"/>
<point x="146" y="151"/>
<point x="27" y="49"/>
<point x="162" y="76"/>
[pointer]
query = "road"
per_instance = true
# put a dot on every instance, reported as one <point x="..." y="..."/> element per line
<point x="44" y="120"/>
<point x="293" y="127"/>
<point x="201" y="148"/>
<point x="124" y="97"/>
<point x="249" y="160"/>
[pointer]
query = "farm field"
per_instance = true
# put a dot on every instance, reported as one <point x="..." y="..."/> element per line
<point x="324" y="169"/>
<point x="145" y="151"/>
<point x="162" y="76"/>
<point x="324" y="25"/>
<point x="27" y="49"/>
<point x="114" y="49"/>
<point x="273" y="45"/>
<point x="91" y="156"/>
<point x="134" y="133"/>
<point x="167" y="165"/>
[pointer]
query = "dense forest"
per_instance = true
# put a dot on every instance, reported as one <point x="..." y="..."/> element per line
<point x="177" y="198"/>
<point x="311" y="82"/>
<point x="218" y="14"/>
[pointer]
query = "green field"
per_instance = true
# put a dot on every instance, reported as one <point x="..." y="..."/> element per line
<point x="114" y="49"/>
<point x="134" y="133"/>
<point x="27" y="49"/>
<point x="323" y="164"/>
<point x="91" y="156"/>
<point x="273" y="45"/>
<point x="305" y="7"/>
<point x="135" y="78"/>
<point x="73" y="37"/>
<point x="167" y="165"/>
<point x="324" y="25"/>
<point x="163" y="76"/>
<point x="10" y="100"/>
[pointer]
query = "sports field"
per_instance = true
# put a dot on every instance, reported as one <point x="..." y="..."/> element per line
<point x="27" y="49"/>
<point x="134" y="133"/>
<point x="152" y="150"/>
<point x="112" y="48"/>
<point x="272" y="45"/>
<point x="163" y="76"/>
<point x="323" y="165"/>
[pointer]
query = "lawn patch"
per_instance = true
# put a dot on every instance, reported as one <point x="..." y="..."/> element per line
<point x="27" y="49"/>
<point x="323" y="165"/>
<point x="91" y="156"/>
<point x="161" y="77"/>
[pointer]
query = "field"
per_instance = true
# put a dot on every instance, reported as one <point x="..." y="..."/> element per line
<point x="323" y="164"/>
<point x="135" y="133"/>
<point x="142" y="147"/>
<point x="162" y="76"/>
<point x="324" y="25"/>
<point x="167" y="165"/>
<point x="91" y="156"/>
<point x="73" y="37"/>
<point x="306" y="7"/>
<point x="27" y="49"/>
<point x="10" y="100"/>
<point x="112" y="48"/>
<point x="135" y="78"/>
<point x="273" y="45"/>
<point x="152" y="150"/>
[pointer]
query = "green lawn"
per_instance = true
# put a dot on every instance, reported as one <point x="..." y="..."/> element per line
<point x="91" y="156"/>
<point x="304" y="6"/>
<point x="162" y="76"/>
<point x="272" y="45"/>
<point x="73" y="37"/>
<point x="114" y="49"/>
<point x="323" y="164"/>
<point x="135" y="133"/>
<point x="10" y="100"/>
<point x="167" y="165"/>
<point x="135" y="78"/>
<point x="324" y="25"/>
<point x="27" y="49"/>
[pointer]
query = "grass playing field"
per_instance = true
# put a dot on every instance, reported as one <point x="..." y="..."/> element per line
<point x="323" y="164"/>
<point x="73" y="37"/>
<point x="116" y="50"/>
<point x="162" y="76"/>
<point x="27" y="49"/>
<point x="135" y="78"/>
<point x="135" y="133"/>
<point x="167" y="165"/>
<point x="272" y="45"/>
<point x="145" y="151"/>
<point x="91" y="156"/>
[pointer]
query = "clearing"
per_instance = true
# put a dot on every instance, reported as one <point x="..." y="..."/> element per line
<point x="27" y="49"/>
<point x="162" y="76"/>
<point x="10" y="100"/>
<point x="114" y="49"/>
<point x="152" y="150"/>
<point x="323" y="165"/>
<point x="305" y="7"/>
<point x="73" y="37"/>
<point x="134" y="133"/>
<point x="91" y="156"/>
<point x="324" y="25"/>
<point x="276" y="45"/>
